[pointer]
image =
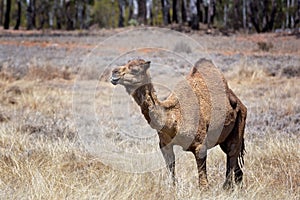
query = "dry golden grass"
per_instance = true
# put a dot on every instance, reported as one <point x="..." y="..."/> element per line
<point x="39" y="169"/>
<point x="40" y="159"/>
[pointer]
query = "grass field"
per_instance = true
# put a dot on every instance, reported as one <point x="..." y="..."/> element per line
<point x="40" y="157"/>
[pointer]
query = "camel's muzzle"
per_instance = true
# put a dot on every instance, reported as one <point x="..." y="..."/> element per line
<point x="115" y="77"/>
<point x="114" y="80"/>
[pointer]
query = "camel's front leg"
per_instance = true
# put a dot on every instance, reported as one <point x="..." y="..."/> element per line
<point x="200" y="155"/>
<point x="169" y="156"/>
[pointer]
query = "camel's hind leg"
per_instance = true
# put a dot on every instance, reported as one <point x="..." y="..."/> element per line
<point x="234" y="148"/>
<point x="232" y="170"/>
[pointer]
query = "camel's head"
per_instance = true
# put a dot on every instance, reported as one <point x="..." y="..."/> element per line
<point x="132" y="75"/>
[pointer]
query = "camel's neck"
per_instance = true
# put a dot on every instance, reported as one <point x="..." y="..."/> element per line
<point x="146" y="98"/>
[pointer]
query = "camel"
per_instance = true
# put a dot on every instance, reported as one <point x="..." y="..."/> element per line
<point x="167" y="118"/>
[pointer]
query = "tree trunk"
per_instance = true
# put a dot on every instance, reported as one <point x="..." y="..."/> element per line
<point x="205" y="14"/>
<point x="254" y="15"/>
<point x="69" y="9"/>
<point x="287" y="24"/>
<point x="225" y="15"/>
<point x="18" y="15"/>
<point x="293" y="14"/>
<point x="31" y="15"/>
<point x="199" y="10"/>
<point x="194" y="15"/>
<point x="184" y="11"/>
<point x="7" y="14"/>
<point x="265" y="15"/>
<point x="244" y="15"/>
<point x="142" y="11"/>
<point x="273" y="15"/>
<point x="121" y="13"/>
<point x="237" y="16"/>
<point x="166" y="11"/>
<point x="1" y="11"/>
<point x="209" y="14"/>
<point x="149" y="13"/>
<point x="58" y="13"/>
<point x="80" y="14"/>
<point x="51" y="16"/>
<point x="87" y="16"/>
<point x="269" y="18"/>
<point x="178" y="7"/>
<point x="212" y="11"/>
<point x="175" y="11"/>
<point x="297" y="20"/>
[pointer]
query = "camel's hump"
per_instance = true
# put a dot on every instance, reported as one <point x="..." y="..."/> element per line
<point x="202" y="64"/>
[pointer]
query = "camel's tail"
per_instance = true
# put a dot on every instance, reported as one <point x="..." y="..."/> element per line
<point x="241" y="155"/>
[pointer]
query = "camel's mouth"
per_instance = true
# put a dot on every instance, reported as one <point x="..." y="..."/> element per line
<point x="114" y="80"/>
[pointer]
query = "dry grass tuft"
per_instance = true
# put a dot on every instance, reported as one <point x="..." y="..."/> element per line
<point x="48" y="73"/>
<point x="36" y="72"/>
<point x="181" y="47"/>
<point x="291" y="71"/>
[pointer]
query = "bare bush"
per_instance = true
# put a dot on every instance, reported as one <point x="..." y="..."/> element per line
<point x="48" y="72"/>
<point x="265" y="46"/>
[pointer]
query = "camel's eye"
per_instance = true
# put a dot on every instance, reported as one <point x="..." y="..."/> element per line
<point x="134" y="69"/>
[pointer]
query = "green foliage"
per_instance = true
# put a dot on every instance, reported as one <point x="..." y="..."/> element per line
<point x="133" y="22"/>
<point x="105" y="13"/>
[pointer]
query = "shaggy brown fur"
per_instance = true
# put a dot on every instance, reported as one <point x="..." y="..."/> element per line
<point x="167" y="116"/>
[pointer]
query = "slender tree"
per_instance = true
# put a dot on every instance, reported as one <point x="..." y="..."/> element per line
<point x="31" y="13"/>
<point x="121" y="13"/>
<point x="194" y="14"/>
<point x="70" y="14"/>
<point x="1" y="11"/>
<point x="225" y="15"/>
<point x="7" y="14"/>
<point x="19" y="12"/>
<point x="262" y="15"/>
<point x="58" y="7"/>
<point x="179" y="11"/>
<point x="297" y="20"/>
<point x="244" y="14"/>
<point x="287" y="17"/>
<point x="142" y="11"/>
<point x="166" y="11"/>
<point x="176" y="13"/>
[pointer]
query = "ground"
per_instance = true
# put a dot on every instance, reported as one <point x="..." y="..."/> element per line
<point x="49" y="79"/>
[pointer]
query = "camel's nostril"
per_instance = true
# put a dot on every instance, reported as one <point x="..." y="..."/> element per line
<point x="114" y="71"/>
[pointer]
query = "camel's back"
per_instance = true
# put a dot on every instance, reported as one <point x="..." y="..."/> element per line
<point x="211" y="89"/>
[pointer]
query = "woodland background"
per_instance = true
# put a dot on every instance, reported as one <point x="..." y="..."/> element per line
<point x="247" y="15"/>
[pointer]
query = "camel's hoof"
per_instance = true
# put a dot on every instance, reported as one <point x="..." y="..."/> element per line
<point x="204" y="185"/>
<point x="227" y="186"/>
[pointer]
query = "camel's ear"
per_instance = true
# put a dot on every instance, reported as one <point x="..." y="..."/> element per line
<point x="147" y="65"/>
